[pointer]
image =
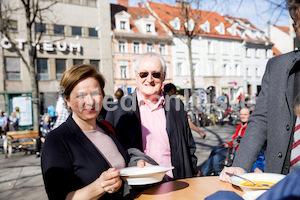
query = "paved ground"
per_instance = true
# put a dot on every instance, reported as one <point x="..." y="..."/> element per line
<point x="20" y="175"/>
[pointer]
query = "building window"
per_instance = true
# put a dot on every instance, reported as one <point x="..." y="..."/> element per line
<point x="247" y="71"/>
<point x="124" y="70"/>
<point x="237" y="70"/>
<point x="236" y="48"/>
<point x="196" y="69"/>
<point x="225" y="48"/>
<point x="59" y="29"/>
<point x="163" y="49"/>
<point x="167" y="70"/>
<point x="76" y="31"/>
<point x="91" y="3"/>
<point x="257" y="73"/>
<point x="77" y="61"/>
<point x="226" y="69"/>
<point x="77" y="2"/>
<point x="211" y="67"/>
<point x="12" y="68"/>
<point x="247" y="52"/>
<point x="123" y="25"/>
<point x="42" y="69"/>
<point x="40" y="28"/>
<point x="179" y="69"/>
<point x="95" y="63"/>
<point x="176" y="25"/>
<point x="60" y="68"/>
<point x="150" y="47"/>
<point x="257" y="53"/>
<point x="148" y="27"/>
<point x="93" y="32"/>
<point x="12" y="25"/>
<point x="180" y="46"/>
<point x="137" y="47"/>
<point x="122" y="46"/>
<point x="211" y="48"/>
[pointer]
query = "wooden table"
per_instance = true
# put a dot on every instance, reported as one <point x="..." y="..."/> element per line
<point x="191" y="188"/>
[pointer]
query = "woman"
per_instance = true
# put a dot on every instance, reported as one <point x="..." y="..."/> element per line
<point x="81" y="158"/>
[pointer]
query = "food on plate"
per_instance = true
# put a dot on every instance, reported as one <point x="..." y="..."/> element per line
<point x="260" y="183"/>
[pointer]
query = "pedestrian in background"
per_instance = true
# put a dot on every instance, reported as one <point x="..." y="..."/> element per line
<point x="170" y="89"/>
<point x="119" y="94"/>
<point x="45" y="127"/>
<point x="3" y="123"/>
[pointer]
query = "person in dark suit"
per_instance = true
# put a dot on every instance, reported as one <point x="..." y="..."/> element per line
<point x="273" y="120"/>
<point x="154" y="123"/>
<point x="82" y="157"/>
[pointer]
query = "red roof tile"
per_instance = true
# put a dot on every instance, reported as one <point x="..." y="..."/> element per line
<point x="167" y="13"/>
<point x="136" y="13"/>
<point x="284" y="29"/>
<point x="276" y="52"/>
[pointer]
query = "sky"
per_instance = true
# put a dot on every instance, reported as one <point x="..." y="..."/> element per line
<point x="258" y="12"/>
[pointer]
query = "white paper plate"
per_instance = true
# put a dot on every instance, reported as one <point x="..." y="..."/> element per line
<point x="255" y="177"/>
<point x="145" y="175"/>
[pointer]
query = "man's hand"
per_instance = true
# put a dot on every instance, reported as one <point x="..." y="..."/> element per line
<point x="234" y="170"/>
<point x="202" y="134"/>
<point x="226" y="145"/>
<point x="142" y="163"/>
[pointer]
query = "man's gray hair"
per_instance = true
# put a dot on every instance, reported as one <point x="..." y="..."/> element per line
<point x="150" y="54"/>
<point x="293" y="6"/>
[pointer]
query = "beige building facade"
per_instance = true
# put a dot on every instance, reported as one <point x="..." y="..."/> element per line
<point x="74" y="32"/>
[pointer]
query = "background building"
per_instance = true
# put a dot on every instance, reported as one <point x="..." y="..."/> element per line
<point x="136" y="31"/>
<point x="74" y="32"/>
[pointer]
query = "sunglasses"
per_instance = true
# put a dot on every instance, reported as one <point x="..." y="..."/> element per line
<point x="145" y="74"/>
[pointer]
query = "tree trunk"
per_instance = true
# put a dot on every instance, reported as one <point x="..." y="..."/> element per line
<point x="194" y="99"/>
<point x="189" y="44"/>
<point x="32" y="54"/>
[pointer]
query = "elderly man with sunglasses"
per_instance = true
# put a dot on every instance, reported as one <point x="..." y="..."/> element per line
<point x="155" y="124"/>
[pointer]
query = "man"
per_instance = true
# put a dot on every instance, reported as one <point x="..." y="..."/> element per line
<point x="150" y="122"/>
<point x="170" y="89"/>
<point x="273" y="120"/>
<point x="219" y="153"/>
<point x="3" y="123"/>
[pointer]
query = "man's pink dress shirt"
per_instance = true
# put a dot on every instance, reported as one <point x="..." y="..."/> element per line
<point x="154" y="133"/>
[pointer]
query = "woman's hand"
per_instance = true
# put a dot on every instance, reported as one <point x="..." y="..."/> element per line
<point x="110" y="180"/>
<point x="234" y="170"/>
<point x="142" y="163"/>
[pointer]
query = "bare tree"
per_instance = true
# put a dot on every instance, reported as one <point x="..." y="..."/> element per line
<point x="33" y="13"/>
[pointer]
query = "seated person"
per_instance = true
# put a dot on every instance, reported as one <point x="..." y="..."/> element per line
<point x="219" y="153"/>
<point x="13" y="122"/>
<point x="3" y="123"/>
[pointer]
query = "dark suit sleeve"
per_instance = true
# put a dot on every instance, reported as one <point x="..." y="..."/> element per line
<point x="192" y="147"/>
<point x="256" y="132"/>
<point x="56" y="168"/>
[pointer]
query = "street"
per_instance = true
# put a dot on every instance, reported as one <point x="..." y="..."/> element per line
<point x="20" y="175"/>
